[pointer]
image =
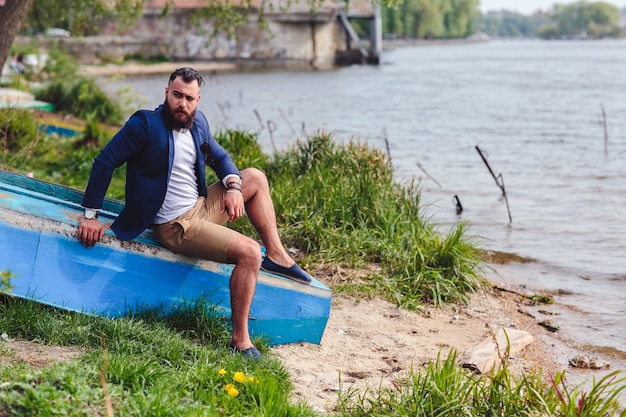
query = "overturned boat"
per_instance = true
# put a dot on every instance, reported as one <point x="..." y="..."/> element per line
<point x="38" y="244"/>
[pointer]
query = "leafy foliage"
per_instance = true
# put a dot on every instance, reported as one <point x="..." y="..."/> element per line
<point x="18" y="129"/>
<point x="81" y="17"/>
<point x="583" y="19"/>
<point x="70" y="93"/>
<point x="81" y="97"/>
<point x="565" y="21"/>
<point x="430" y="19"/>
<point x="52" y="157"/>
<point x="511" y="24"/>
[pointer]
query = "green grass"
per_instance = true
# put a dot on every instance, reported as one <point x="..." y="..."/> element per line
<point x="152" y="365"/>
<point x="445" y="389"/>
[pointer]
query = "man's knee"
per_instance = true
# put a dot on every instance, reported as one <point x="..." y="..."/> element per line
<point x="245" y="250"/>
<point x="254" y="177"/>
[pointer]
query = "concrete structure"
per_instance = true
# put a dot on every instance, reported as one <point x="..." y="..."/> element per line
<point x="295" y="37"/>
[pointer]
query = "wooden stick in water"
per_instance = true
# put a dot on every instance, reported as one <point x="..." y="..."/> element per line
<point x="498" y="179"/>
<point x="606" y="132"/>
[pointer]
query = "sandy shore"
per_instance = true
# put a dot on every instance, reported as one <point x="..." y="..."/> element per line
<point x="370" y="342"/>
<point x="151" y="69"/>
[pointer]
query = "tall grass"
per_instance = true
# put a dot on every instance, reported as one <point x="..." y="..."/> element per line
<point x="342" y="204"/>
<point x="445" y="389"/>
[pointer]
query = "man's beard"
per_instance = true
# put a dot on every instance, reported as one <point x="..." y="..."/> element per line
<point x="175" y="124"/>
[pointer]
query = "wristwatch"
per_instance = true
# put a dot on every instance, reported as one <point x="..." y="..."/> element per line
<point x="91" y="214"/>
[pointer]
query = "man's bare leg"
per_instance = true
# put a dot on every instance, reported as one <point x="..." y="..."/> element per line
<point x="246" y="255"/>
<point x="260" y="211"/>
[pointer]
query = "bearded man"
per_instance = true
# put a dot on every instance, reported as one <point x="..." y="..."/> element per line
<point x="166" y="151"/>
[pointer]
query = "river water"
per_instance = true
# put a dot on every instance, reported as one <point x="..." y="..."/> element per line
<point x="550" y="118"/>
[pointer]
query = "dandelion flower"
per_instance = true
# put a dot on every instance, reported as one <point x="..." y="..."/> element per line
<point x="250" y="379"/>
<point x="239" y="377"/>
<point x="222" y="372"/>
<point x="233" y="392"/>
<point x="228" y="387"/>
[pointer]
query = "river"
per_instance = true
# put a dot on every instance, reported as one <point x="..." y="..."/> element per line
<point x="550" y="118"/>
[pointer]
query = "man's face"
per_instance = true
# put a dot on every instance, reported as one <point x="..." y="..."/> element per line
<point x="181" y="100"/>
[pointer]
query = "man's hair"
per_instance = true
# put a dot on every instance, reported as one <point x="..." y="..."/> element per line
<point x="188" y="75"/>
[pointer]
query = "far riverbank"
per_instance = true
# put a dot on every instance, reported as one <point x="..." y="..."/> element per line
<point x="144" y="68"/>
<point x="135" y="68"/>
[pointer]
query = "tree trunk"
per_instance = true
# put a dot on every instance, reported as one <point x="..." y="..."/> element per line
<point x="12" y="14"/>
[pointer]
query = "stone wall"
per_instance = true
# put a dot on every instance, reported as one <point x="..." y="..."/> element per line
<point x="290" y="39"/>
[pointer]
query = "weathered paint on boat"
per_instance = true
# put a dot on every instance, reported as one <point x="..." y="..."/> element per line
<point x="11" y="98"/>
<point x="38" y="245"/>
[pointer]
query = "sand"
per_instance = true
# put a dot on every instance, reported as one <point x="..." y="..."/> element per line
<point x="372" y="343"/>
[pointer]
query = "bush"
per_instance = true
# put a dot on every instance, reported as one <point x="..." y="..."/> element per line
<point x="73" y="94"/>
<point x="83" y="98"/>
<point x="17" y="129"/>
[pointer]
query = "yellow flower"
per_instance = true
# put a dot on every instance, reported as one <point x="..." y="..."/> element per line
<point x="233" y="392"/>
<point x="250" y="379"/>
<point x="239" y="377"/>
<point x="222" y="372"/>
<point x="228" y="387"/>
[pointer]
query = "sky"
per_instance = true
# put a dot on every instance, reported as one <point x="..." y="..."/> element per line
<point x="529" y="6"/>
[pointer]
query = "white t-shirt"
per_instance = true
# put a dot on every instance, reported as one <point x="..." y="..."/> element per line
<point x="182" y="189"/>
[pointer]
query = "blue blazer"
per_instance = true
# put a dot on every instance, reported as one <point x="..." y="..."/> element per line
<point x="147" y="148"/>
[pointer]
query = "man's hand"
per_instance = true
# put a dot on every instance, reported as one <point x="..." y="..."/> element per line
<point x="233" y="205"/>
<point x="90" y="231"/>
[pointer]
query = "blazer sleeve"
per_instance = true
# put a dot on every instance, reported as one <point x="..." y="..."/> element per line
<point x="126" y="143"/>
<point x="219" y="159"/>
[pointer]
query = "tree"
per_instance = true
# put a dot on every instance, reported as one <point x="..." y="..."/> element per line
<point x="581" y="18"/>
<point x="81" y="17"/>
<point x="78" y="15"/>
<point x="430" y="18"/>
<point x="511" y="24"/>
<point x="12" y="14"/>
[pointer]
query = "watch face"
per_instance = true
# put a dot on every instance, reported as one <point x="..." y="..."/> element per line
<point x="90" y="214"/>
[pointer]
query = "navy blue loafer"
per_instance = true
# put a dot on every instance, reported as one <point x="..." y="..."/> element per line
<point x="294" y="273"/>
<point x="250" y="353"/>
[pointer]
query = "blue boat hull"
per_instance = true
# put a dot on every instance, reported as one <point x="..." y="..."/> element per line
<point x="38" y="245"/>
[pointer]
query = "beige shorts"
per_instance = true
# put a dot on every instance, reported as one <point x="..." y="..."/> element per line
<point x="199" y="232"/>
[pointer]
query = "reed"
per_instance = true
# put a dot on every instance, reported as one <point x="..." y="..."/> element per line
<point x="341" y="204"/>
<point x="445" y="389"/>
